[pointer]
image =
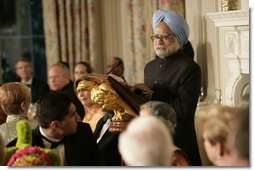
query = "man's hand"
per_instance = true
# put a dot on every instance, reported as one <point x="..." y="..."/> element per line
<point x="143" y="87"/>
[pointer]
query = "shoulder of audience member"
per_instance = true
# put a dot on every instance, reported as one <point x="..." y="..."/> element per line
<point x="84" y="129"/>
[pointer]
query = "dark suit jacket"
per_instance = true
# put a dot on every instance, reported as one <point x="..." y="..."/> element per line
<point x="80" y="148"/>
<point x="108" y="144"/>
<point x="38" y="88"/>
<point x="69" y="90"/>
<point x="176" y="80"/>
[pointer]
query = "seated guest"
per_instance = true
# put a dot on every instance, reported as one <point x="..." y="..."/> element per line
<point x="82" y="68"/>
<point x="144" y="141"/>
<point x="93" y="112"/>
<point x="99" y="121"/>
<point x="15" y="99"/>
<point x="59" y="81"/>
<point x="115" y="66"/>
<point x="242" y="139"/>
<point x="23" y="154"/>
<point x="219" y="123"/>
<point x="238" y="141"/>
<point x="24" y="70"/>
<point x="167" y="115"/>
<point x="108" y="141"/>
<point x="58" y="125"/>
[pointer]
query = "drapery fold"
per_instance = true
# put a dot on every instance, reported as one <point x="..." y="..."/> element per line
<point x="73" y="32"/>
<point x="70" y="34"/>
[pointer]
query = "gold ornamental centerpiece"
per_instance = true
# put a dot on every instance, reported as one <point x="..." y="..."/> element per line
<point x="105" y="96"/>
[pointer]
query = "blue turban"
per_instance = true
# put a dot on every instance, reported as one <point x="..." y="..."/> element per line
<point x="175" y="22"/>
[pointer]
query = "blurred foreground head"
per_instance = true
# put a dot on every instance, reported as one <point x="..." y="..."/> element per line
<point x="146" y="142"/>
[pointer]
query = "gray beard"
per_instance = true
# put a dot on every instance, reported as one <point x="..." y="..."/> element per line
<point x="169" y="51"/>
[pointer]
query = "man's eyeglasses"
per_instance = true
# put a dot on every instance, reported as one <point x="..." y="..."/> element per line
<point x="162" y="37"/>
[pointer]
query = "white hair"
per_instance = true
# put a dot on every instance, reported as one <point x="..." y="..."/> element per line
<point x="146" y="142"/>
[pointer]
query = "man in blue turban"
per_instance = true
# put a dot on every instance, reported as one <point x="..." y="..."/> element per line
<point x="175" y="22"/>
<point x="173" y="78"/>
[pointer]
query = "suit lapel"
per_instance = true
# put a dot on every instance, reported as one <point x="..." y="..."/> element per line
<point x="98" y="128"/>
<point x="37" y="138"/>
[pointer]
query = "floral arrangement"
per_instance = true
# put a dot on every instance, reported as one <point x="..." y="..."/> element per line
<point x="24" y="154"/>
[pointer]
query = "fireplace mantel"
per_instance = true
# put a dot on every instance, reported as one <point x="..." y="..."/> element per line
<point x="230" y="18"/>
<point x="228" y="44"/>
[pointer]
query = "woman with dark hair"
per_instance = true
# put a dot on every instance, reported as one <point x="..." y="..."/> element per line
<point x="82" y="68"/>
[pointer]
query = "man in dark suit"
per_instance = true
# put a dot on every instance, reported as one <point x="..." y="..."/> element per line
<point x="59" y="81"/>
<point x="108" y="141"/>
<point x="174" y="77"/>
<point x="24" y="70"/>
<point x="115" y="66"/>
<point x="59" y="129"/>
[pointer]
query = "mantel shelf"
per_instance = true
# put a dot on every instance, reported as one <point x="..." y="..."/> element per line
<point x="230" y="18"/>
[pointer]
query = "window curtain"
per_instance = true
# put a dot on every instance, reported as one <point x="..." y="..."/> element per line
<point x="71" y="31"/>
<point x="138" y="48"/>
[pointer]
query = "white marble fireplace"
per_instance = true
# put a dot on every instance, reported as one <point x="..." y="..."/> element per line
<point x="228" y="37"/>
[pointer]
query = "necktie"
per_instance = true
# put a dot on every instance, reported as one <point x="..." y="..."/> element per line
<point x="53" y="144"/>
